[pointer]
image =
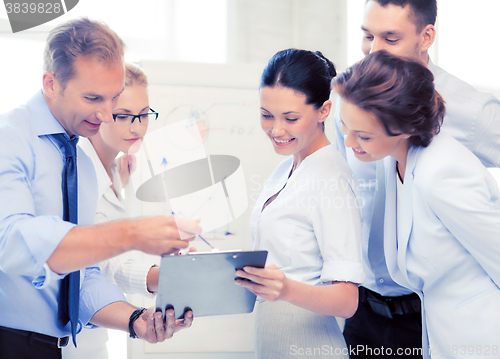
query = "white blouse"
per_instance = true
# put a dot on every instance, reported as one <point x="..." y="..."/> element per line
<point x="312" y="229"/>
<point x="124" y="270"/>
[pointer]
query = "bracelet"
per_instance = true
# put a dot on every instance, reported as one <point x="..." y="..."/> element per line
<point x="133" y="317"/>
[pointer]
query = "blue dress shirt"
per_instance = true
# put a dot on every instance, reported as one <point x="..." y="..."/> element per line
<point x="31" y="224"/>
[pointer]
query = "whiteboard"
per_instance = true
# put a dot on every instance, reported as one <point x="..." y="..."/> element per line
<point x="223" y="99"/>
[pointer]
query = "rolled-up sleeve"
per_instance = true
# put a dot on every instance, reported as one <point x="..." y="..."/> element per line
<point x="337" y="225"/>
<point x="96" y="292"/>
<point x="27" y="239"/>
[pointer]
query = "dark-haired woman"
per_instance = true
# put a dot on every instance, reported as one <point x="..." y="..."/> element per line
<point x="307" y="217"/>
<point x="442" y="210"/>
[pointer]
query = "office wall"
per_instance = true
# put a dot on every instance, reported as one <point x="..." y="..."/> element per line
<point x="259" y="28"/>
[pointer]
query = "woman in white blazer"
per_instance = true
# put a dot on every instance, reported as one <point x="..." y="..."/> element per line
<point x="442" y="206"/>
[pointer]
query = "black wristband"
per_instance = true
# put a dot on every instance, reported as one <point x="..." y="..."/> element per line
<point x="133" y="317"/>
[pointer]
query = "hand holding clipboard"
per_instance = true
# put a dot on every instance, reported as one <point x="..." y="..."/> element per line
<point x="205" y="283"/>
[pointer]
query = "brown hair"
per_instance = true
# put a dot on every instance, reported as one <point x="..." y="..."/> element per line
<point x="79" y="37"/>
<point x="399" y="92"/>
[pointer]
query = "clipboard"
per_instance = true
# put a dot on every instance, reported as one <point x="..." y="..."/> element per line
<point x="204" y="283"/>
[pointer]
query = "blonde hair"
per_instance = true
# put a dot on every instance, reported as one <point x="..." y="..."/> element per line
<point x="135" y="75"/>
<point x="80" y="37"/>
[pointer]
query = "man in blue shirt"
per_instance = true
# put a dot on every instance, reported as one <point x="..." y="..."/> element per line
<point x="388" y="320"/>
<point x="84" y="75"/>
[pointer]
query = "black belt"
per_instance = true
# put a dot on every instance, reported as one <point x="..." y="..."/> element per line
<point x="390" y="306"/>
<point x="47" y="339"/>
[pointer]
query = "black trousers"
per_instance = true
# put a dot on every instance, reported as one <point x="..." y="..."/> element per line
<point x="15" y="346"/>
<point x="371" y="335"/>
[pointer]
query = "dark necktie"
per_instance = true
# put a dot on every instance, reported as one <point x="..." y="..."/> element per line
<point x="376" y="238"/>
<point x="69" y="292"/>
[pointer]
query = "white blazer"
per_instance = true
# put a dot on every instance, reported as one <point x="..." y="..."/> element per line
<point x="446" y="247"/>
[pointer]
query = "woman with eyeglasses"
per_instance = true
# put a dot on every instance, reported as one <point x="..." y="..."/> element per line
<point x="131" y="117"/>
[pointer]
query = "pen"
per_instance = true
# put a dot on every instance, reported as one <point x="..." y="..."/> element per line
<point x="203" y="239"/>
<point x="211" y="246"/>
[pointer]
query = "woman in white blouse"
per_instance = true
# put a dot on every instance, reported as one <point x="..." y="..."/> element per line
<point x="307" y="217"/>
<point x="131" y="117"/>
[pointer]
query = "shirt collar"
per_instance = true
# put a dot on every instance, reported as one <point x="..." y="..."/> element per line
<point x="431" y="65"/>
<point x="44" y="121"/>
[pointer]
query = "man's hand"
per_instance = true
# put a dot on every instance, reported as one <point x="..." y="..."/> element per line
<point x="163" y="234"/>
<point x="83" y="246"/>
<point x="151" y="327"/>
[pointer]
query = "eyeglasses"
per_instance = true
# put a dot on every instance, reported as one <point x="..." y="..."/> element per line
<point x="129" y="119"/>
